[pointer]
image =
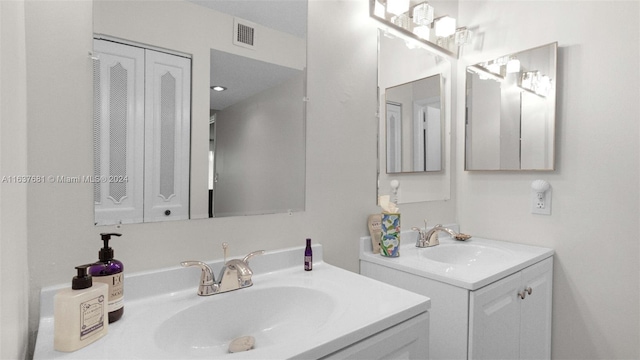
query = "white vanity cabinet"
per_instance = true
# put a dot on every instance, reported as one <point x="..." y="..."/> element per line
<point x="511" y="318"/>
<point x="478" y="311"/>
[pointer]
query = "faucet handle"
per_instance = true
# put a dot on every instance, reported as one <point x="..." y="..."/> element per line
<point x="242" y="268"/>
<point x="250" y="255"/>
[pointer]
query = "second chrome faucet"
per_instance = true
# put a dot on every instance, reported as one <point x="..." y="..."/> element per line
<point x="235" y="274"/>
<point x="430" y="238"/>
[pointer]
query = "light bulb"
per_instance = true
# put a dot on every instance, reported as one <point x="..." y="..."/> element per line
<point x="423" y="14"/>
<point x="422" y="32"/>
<point x="445" y="26"/>
<point x="513" y="66"/>
<point x="397" y="7"/>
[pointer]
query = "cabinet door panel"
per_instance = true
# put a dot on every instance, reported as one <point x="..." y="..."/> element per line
<point x="494" y="324"/>
<point x="167" y="126"/>
<point x="535" y="322"/>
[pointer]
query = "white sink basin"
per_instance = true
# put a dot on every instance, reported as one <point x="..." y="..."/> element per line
<point x="270" y="315"/>
<point x="465" y="254"/>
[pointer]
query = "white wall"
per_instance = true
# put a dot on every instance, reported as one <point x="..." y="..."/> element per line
<point x="594" y="222"/>
<point x="260" y="166"/>
<point x="594" y="217"/>
<point x="14" y="276"/>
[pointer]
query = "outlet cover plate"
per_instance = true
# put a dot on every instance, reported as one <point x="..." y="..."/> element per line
<point x="541" y="208"/>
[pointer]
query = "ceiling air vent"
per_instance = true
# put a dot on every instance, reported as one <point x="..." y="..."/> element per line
<point x="244" y="33"/>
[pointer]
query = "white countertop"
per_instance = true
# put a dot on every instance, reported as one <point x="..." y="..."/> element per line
<point x="363" y="307"/>
<point x="469" y="276"/>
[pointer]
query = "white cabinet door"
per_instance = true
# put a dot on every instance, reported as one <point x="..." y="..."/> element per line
<point x="167" y="126"/>
<point x="511" y="318"/>
<point x="494" y="320"/>
<point x="408" y="340"/>
<point x="535" y="319"/>
<point x="118" y="133"/>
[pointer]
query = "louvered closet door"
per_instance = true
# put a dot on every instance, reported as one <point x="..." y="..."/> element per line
<point x="167" y="124"/>
<point x="118" y="133"/>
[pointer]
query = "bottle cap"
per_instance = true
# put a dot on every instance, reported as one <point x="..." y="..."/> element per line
<point x="83" y="280"/>
<point x="106" y="253"/>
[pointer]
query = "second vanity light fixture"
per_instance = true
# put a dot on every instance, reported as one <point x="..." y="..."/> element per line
<point x="418" y="22"/>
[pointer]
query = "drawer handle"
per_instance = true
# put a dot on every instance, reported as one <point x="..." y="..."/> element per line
<point x="523" y="294"/>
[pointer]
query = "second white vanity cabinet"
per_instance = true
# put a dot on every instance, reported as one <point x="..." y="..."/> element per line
<point x="511" y="318"/>
<point x="496" y="307"/>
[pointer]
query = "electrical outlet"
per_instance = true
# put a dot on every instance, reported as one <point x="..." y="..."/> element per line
<point x="541" y="202"/>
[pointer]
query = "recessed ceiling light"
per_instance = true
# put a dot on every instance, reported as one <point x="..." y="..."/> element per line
<point x="218" y="88"/>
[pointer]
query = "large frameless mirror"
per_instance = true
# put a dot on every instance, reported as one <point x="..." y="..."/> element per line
<point x="257" y="51"/>
<point x="510" y="115"/>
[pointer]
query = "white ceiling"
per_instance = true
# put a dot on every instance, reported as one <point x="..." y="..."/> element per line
<point x="244" y="77"/>
<point x="288" y="16"/>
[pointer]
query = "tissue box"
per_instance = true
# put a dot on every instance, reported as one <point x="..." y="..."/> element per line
<point x="390" y="239"/>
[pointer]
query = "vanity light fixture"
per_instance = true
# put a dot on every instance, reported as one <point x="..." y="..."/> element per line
<point x="218" y="88"/>
<point x="416" y="23"/>
<point x="536" y="82"/>
<point x="494" y="68"/>
<point x="513" y="66"/>
<point x="423" y="14"/>
<point x="463" y="36"/>
<point x="401" y="20"/>
<point x="445" y="26"/>
<point x="397" y="7"/>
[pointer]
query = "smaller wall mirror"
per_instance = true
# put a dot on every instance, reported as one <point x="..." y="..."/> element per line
<point x="414" y="123"/>
<point x="510" y="111"/>
<point x="412" y="79"/>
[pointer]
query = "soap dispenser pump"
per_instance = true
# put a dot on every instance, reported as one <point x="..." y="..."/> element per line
<point x="111" y="272"/>
<point x="80" y="313"/>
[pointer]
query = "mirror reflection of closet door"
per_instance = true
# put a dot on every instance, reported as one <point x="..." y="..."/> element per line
<point x="142" y="116"/>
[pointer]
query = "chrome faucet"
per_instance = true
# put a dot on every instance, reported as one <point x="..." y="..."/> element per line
<point x="235" y="274"/>
<point x="430" y="238"/>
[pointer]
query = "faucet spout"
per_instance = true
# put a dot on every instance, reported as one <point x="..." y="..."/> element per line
<point x="208" y="285"/>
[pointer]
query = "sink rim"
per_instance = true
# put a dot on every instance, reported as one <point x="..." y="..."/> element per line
<point x="470" y="278"/>
<point x="484" y="255"/>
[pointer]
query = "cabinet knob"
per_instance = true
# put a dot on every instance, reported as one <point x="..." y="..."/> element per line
<point x="523" y="294"/>
<point x="167" y="212"/>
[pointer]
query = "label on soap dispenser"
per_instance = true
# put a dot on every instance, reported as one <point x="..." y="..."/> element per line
<point x="115" y="291"/>
<point x="91" y="316"/>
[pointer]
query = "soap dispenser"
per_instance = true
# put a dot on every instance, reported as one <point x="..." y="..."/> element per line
<point x="79" y="313"/>
<point x="111" y="272"/>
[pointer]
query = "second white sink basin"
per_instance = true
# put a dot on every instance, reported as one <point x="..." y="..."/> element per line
<point x="469" y="264"/>
<point x="465" y="254"/>
<point x="270" y="315"/>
